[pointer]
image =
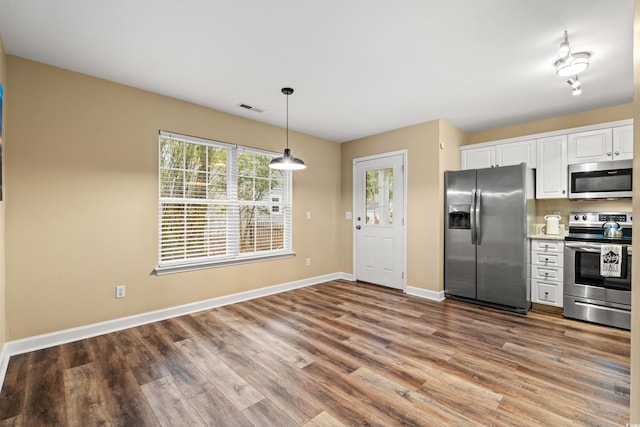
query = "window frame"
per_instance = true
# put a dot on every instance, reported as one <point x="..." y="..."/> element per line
<point x="233" y="246"/>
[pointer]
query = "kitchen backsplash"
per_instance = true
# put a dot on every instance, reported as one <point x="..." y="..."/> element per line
<point x="564" y="207"/>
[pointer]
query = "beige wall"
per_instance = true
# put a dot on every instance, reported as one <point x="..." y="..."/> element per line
<point x="635" y="292"/>
<point x="425" y="164"/>
<point x="82" y="206"/>
<point x="3" y="316"/>
<point x="450" y="140"/>
<point x="592" y="117"/>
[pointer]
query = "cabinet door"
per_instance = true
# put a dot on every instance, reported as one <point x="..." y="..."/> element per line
<point x="514" y="153"/>
<point x="591" y="146"/>
<point x="551" y="174"/>
<point x="478" y="158"/>
<point x="623" y="142"/>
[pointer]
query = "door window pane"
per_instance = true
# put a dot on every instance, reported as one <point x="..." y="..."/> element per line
<point x="379" y="197"/>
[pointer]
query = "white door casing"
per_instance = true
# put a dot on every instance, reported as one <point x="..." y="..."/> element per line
<point x="379" y="231"/>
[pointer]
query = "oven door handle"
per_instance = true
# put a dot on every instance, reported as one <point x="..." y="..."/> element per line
<point x="584" y="249"/>
<point x="602" y="307"/>
<point x="591" y="247"/>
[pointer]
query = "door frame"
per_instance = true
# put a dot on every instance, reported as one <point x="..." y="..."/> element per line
<point x="355" y="161"/>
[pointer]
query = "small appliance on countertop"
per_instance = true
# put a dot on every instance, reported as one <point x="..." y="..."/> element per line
<point x="590" y="294"/>
<point x="552" y="229"/>
<point x="552" y="226"/>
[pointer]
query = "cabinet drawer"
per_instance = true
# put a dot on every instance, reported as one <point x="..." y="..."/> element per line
<point x="548" y="293"/>
<point x="542" y="245"/>
<point x="547" y="259"/>
<point x="553" y="274"/>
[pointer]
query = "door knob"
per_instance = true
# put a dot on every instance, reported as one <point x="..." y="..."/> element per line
<point x="617" y="153"/>
<point x="358" y="227"/>
<point x="609" y="153"/>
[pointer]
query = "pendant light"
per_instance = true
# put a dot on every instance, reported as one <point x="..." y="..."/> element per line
<point x="287" y="161"/>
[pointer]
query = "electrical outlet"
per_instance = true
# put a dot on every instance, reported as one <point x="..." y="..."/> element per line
<point x="120" y="291"/>
<point x="308" y="262"/>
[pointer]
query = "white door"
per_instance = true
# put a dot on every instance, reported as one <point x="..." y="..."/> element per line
<point x="379" y="232"/>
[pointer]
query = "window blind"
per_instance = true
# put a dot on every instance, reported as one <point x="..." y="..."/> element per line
<point x="220" y="203"/>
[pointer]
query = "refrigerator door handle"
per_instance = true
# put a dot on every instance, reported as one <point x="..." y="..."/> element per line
<point x="472" y="217"/>
<point x="478" y="220"/>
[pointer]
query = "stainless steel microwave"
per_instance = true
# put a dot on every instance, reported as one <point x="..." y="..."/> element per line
<point x="602" y="180"/>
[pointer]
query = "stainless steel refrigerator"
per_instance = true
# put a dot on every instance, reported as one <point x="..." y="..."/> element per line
<point x="489" y="214"/>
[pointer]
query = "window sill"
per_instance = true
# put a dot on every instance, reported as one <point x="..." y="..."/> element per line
<point x="181" y="268"/>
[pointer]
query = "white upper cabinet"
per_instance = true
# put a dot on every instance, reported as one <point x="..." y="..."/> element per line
<point x="514" y="153"/>
<point x="590" y="146"/>
<point x="623" y="142"/>
<point x="478" y="158"/>
<point x="601" y="145"/>
<point x="550" y="153"/>
<point x="489" y="156"/>
<point x="551" y="174"/>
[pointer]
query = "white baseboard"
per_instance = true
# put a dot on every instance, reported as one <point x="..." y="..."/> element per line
<point x="12" y="348"/>
<point x="425" y="293"/>
<point x="4" y="364"/>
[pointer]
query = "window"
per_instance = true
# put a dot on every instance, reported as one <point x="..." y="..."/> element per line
<point x="219" y="203"/>
<point x="379" y="203"/>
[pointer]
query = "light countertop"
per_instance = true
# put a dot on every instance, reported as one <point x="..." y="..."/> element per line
<point x="548" y="236"/>
<point x="539" y="234"/>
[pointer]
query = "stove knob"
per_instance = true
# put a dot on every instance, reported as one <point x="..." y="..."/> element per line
<point x="584" y="217"/>
<point x="576" y="217"/>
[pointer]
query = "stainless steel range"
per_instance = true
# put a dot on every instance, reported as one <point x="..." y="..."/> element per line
<point x="588" y="294"/>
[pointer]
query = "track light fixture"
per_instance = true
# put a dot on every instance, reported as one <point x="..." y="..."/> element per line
<point x="287" y="161"/>
<point x="576" y="86"/>
<point x="570" y="64"/>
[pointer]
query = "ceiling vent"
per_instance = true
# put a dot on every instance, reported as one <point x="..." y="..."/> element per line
<point x="251" y="108"/>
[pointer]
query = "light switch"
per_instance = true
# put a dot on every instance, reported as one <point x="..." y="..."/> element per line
<point x="308" y="214"/>
<point x="348" y="215"/>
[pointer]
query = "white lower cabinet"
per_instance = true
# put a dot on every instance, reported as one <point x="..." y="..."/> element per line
<point x="547" y="271"/>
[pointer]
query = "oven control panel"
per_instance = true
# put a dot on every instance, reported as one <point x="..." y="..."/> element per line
<point x="612" y="217"/>
<point x="597" y="219"/>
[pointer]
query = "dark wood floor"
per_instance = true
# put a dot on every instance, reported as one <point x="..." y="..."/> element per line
<point x="334" y="354"/>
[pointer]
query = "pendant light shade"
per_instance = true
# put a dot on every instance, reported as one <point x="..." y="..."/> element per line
<point x="287" y="161"/>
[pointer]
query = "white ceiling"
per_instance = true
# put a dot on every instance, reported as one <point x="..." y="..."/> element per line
<point x="358" y="67"/>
